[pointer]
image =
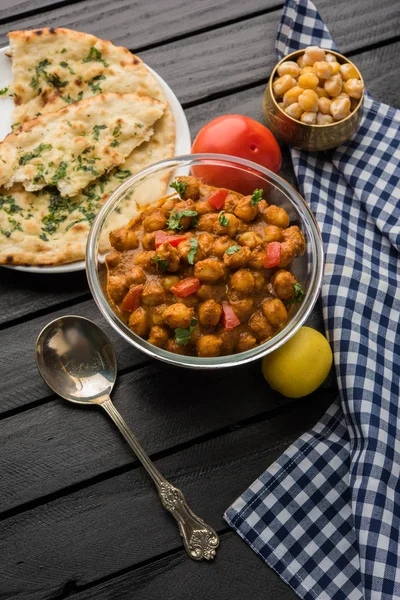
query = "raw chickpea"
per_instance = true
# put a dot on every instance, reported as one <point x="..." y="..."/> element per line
<point x="321" y="93"/>
<point x="168" y="281"/>
<point x="347" y="72"/>
<point x="209" y="270"/>
<point x="306" y="69"/>
<point x="178" y="315"/>
<point x="324" y="119"/>
<point x="354" y="88"/>
<point x="335" y="68"/>
<point x="275" y="312"/>
<point x="153" y="293"/>
<point x="330" y="58"/>
<point x="272" y="233"/>
<point x="238" y="259"/>
<point x="116" y="287"/>
<point x="242" y="282"/>
<point x="308" y="81"/>
<point x="322" y="69"/>
<point x="343" y="95"/>
<point x="340" y="108"/>
<point x="275" y="215"/>
<point x="313" y="54"/>
<point x="283" y="84"/>
<point x="260" y="326"/>
<point x="333" y="85"/>
<point x="324" y="106"/>
<point x="209" y="345"/>
<point x="250" y="239"/>
<point x="294" y="110"/>
<point x="158" y="336"/>
<point x="300" y="61"/>
<point x="246" y="342"/>
<point x="291" y="95"/>
<point x="209" y="313"/>
<point x="139" y="322"/>
<point x="308" y="101"/>
<point x="310" y="118"/>
<point x="283" y="283"/>
<point x="289" y="68"/>
<point x="155" y="220"/>
<point x="135" y="276"/>
<point x="124" y="239"/>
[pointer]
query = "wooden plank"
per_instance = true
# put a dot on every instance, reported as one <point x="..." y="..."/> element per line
<point x="14" y="9"/>
<point x="115" y="524"/>
<point x="235" y="574"/>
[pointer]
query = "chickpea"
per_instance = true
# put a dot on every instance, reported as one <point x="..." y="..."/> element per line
<point x="149" y="241"/>
<point x="308" y="101"/>
<point x="272" y="233"/>
<point x="330" y="58"/>
<point x="135" y="276"/>
<point x="313" y="54"/>
<point x="259" y="281"/>
<point x="139" y="322"/>
<point x="178" y="315"/>
<point x="300" y="61"/>
<point x="343" y="95"/>
<point x="354" y="88"/>
<point x="184" y="249"/>
<point x="144" y="259"/>
<point x="333" y="85"/>
<point x="243" y="308"/>
<point x="295" y="236"/>
<point x="310" y="118"/>
<point x="335" y="67"/>
<point x="246" y="341"/>
<point x="291" y="95"/>
<point x="283" y="283"/>
<point x="154" y="221"/>
<point x="156" y="314"/>
<point x="288" y="253"/>
<point x="256" y="260"/>
<point x="209" y="222"/>
<point x="173" y="346"/>
<point x="205" y="243"/>
<point x="153" y="293"/>
<point x="321" y="93"/>
<point x="324" y="119"/>
<point x="250" y="239"/>
<point x="203" y="207"/>
<point x="116" y="287"/>
<point x="294" y="110"/>
<point x="185" y="222"/>
<point x="348" y="71"/>
<point x="168" y="281"/>
<point x="340" y="108"/>
<point x="322" y="69"/>
<point x="170" y="257"/>
<point x="209" y="270"/>
<point x="229" y="339"/>
<point x="158" y="336"/>
<point x="209" y="313"/>
<point x="308" y="81"/>
<point x="245" y="211"/>
<point x="113" y="259"/>
<point x="232" y="224"/>
<point x="275" y="312"/>
<point x="209" y="345"/>
<point x="275" y="215"/>
<point x="289" y="68"/>
<point x="221" y="245"/>
<point x="260" y="326"/>
<point x="231" y="201"/>
<point x="168" y="206"/>
<point x="283" y="84"/>
<point x="211" y="292"/>
<point x="124" y="239"/>
<point x="238" y="259"/>
<point x="242" y="282"/>
<point x="192" y="187"/>
<point x="324" y="106"/>
<point x="306" y="69"/>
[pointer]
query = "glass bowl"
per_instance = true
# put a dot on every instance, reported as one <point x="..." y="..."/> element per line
<point x="236" y="174"/>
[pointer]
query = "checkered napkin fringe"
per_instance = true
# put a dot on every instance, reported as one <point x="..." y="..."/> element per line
<point x="326" y="515"/>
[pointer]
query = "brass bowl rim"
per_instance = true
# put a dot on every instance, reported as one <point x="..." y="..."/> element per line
<point x="311" y="125"/>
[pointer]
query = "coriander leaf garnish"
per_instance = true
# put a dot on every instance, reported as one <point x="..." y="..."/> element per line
<point x="44" y="237"/>
<point x="4" y="91"/>
<point x="222" y="219"/>
<point x="39" y="70"/>
<point x="7" y="203"/>
<point x="94" y="83"/>
<point x="36" y="152"/>
<point x="174" y="221"/>
<point x="179" y="186"/>
<point x="162" y="264"/>
<point x="256" y="197"/>
<point x="299" y="294"/>
<point x="96" y="131"/>
<point x="60" y="173"/>
<point x="182" y="336"/>
<point x="121" y="175"/>
<point x="65" y="65"/>
<point x="68" y="99"/>
<point x="193" y="249"/>
<point x="114" y="143"/>
<point x="63" y="51"/>
<point x="233" y="249"/>
<point x="95" y="55"/>
<point x="116" y="130"/>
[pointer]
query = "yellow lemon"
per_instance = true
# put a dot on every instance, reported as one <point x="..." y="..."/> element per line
<point x="300" y="366"/>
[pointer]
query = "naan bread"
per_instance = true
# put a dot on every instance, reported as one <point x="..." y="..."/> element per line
<point x="70" y="148"/>
<point x="43" y="228"/>
<point x="54" y="67"/>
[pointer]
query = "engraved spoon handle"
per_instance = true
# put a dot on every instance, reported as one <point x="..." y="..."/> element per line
<point x="200" y="540"/>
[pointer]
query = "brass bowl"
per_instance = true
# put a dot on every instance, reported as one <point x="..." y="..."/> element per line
<point x="304" y="136"/>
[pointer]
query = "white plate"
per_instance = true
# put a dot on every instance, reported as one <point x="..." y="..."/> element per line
<point x="182" y="142"/>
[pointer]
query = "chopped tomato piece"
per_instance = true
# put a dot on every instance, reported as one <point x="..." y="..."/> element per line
<point x="185" y="287"/>
<point x="272" y="255"/>
<point x="217" y="199"/>
<point x="132" y="299"/>
<point x="174" y="240"/>
<point x="229" y="318"/>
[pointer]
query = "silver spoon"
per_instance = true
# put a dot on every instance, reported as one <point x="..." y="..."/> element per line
<point x="77" y="360"/>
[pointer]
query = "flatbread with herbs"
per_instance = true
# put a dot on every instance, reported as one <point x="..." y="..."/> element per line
<point x="54" y="67"/>
<point x="72" y="147"/>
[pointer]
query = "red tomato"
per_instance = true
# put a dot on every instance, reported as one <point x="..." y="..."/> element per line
<point x="272" y="255"/>
<point x="229" y="318"/>
<point x="185" y="287"/>
<point x="240" y="136"/>
<point x="132" y="299"/>
<point x="217" y="199"/>
<point x="174" y="240"/>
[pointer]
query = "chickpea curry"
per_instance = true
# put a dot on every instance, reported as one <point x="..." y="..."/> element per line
<point x="205" y="271"/>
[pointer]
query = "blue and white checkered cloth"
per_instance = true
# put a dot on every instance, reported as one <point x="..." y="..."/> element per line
<point x="326" y="515"/>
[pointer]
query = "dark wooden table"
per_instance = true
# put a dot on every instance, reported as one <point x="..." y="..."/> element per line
<point x="79" y="517"/>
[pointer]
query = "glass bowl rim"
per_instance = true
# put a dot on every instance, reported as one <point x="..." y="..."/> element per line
<point x="195" y="362"/>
